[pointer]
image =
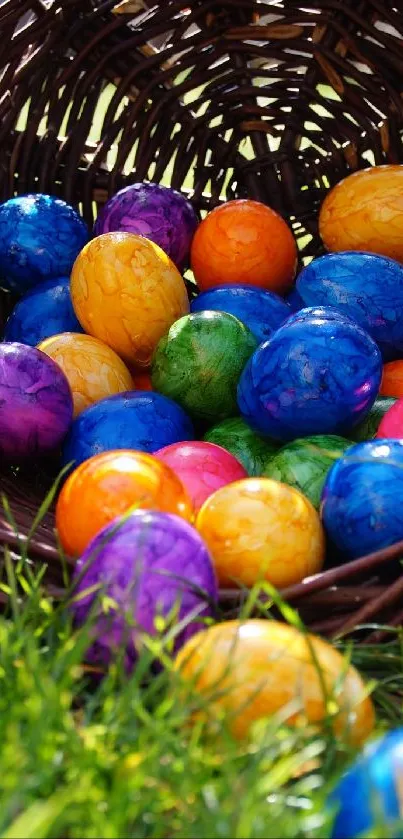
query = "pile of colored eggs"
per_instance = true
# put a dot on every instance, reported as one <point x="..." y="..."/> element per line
<point x="211" y="439"/>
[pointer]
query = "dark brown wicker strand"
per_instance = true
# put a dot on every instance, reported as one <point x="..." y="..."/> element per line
<point x="228" y="99"/>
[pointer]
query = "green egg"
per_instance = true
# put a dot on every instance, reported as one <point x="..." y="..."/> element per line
<point x="252" y="451"/>
<point x="304" y="463"/>
<point x="199" y="362"/>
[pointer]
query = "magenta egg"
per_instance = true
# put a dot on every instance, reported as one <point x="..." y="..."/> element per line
<point x="391" y="426"/>
<point x="202" y="467"/>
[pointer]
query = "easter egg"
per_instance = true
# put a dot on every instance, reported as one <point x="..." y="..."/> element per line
<point x="364" y="213"/>
<point x="127" y="292"/>
<point x="361" y="498"/>
<point x="305" y="463"/>
<point x="313" y="376"/>
<point x="244" y="242"/>
<point x="133" y="420"/>
<point x="260" y="310"/>
<point x="44" y="311"/>
<point x="238" y="438"/>
<point x="202" y="467"/>
<point x="150" y="565"/>
<point x="258" y="529"/>
<point x="108" y="485"/>
<point x="391" y="425"/>
<point x="367" y="429"/>
<point x="36" y="405"/>
<point x="199" y="362"/>
<point x="306" y="313"/>
<point x="365" y="287"/>
<point x="40" y="237"/>
<point x="373" y="783"/>
<point x="392" y="379"/>
<point x="264" y="667"/>
<point x="93" y="370"/>
<point x="157" y="212"/>
<point x="142" y="380"/>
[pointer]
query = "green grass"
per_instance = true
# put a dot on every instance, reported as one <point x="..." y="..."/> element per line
<point x="118" y="757"/>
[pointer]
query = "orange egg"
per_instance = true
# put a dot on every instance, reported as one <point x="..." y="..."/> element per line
<point x="254" y="669"/>
<point x="108" y="485"/>
<point x="259" y="529"/>
<point x="392" y="379"/>
<point x="244" y="242"/>
<point x="92" y="369"/>
<point x="364" y="212"/>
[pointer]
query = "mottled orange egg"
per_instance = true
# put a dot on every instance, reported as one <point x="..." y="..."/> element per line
<point x="108" y="485"/>
<point x="392" y="379"/>
<point x="244" y="242"/>
<point x="92" y="369"/>
<point x="259" y="529"/>
<point x="254" y="669"/>
<point x="365" y="213"/>
<point x="127" y="292"/>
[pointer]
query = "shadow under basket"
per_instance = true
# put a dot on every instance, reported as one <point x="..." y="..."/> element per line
<point x="275" y="101"/>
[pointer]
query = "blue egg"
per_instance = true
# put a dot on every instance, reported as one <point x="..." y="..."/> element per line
<point x="140" y="420"/>
<point x="40" y="238"/>
<point x="314" y="376"/>
<point x="294" y="300"/>
<point x="44" y="311"/>
<point x="361" y="498"/>
<point x="309" y="312"/>
<point x="364" y="286"/>
<point x="369" y="795"/>
<point x="260" y="310"/>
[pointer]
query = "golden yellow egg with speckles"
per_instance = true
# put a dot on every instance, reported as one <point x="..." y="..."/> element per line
<point x="364" y="212"/>
<point x="258" y="529"/>
<point x="92" y="369"/>
<point x="257" y="668"/>
<point x="127" y="292"/>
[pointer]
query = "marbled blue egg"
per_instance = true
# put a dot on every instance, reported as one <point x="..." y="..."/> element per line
<point x="260" y="310"/>
<point x="44" y="311"/>
<point x="142" y="420"/>
<point x="40" y="238"/>
<point x="309" y="312"/>
<point x="364" y="286"/>
<point x="313" y="376"/>
<point x="361" y="498"/>
<point x="369" y="795"/>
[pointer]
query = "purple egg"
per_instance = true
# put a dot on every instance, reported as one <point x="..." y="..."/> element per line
<point x="157" y="212"/>
<point x="149" y="564"/>
<point x="36" y="405"/>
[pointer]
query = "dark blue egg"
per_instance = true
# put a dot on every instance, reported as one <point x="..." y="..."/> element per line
<point x="260" y="310"/>
<point x="44" y="311"/>
<point x="40" y="238"/>
<point x="369" y="795"/>
<point x="361" y="498"/>
<point x="314" y="376"/>
<point x="309" y="312"/>
<point x="364" y="286"/>
<point x="141" y="420"/>
<point x="294" y="300"/>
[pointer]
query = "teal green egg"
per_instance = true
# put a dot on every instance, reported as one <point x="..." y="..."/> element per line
<point x="367" y="429"/>
<point x="236" y="437"/>
<point x="304" y="463"/>
<point x="199" y="362"/>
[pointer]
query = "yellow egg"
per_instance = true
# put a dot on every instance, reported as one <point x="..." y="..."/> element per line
<point x="254" y="669"/>
<point x="127" y="292"/>
<point x="92" y="369"/>
<point x="259" y="529"/>
<point x="364" y="212"/>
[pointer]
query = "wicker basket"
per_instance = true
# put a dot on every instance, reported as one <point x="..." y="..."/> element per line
<point x="275" y="100"/>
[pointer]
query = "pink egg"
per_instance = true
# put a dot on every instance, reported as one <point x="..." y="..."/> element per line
<point x="202" y="467"/>
<point x="391" y="426"/>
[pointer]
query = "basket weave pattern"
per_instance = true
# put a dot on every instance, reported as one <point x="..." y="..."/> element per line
<point x="274" y="100"/>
